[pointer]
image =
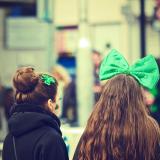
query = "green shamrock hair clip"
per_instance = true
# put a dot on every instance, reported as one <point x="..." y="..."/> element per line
<point x="47" y="79"/>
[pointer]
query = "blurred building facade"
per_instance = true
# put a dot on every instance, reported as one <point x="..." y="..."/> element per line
<point x="115" y="23"/>
<point x="57" y="29"/>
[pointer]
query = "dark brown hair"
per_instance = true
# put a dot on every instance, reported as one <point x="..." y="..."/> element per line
<point x="30" y="88"/>
<point x="120" y="127"/>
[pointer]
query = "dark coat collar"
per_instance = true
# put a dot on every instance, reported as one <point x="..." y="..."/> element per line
<point x="26" y="117"/>
<point x="33" y="108"/>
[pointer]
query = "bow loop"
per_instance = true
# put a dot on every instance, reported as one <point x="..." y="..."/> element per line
<point x="146" y="71"/>
<point x="113" y="64"/>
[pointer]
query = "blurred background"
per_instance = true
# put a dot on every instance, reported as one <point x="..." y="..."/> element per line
<point x="68" y="38"/>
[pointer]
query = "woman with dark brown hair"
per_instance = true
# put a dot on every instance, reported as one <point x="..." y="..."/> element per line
<point x="34" y="129"/>
<point x="120" y="127"/>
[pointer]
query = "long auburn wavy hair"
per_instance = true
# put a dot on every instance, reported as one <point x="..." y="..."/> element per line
<point x="120" y="127"/>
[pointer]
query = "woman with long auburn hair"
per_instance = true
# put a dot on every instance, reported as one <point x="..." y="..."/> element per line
<point x="120" y="127"/>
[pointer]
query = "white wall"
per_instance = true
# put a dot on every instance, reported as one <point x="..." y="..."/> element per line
<point x="103" y="11"/>
<point x="66" y="12"/>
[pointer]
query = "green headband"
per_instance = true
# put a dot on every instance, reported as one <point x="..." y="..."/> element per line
<point x="47" y="79"/>
<point x="145" y="70"/>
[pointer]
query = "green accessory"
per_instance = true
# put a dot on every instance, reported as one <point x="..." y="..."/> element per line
<point x="154" y="108"/>
<point x="154" y="91"/>
<point x="47" y="79"/>
<point x="145" y="70"/>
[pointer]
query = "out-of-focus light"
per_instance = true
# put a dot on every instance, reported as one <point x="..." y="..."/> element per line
<point x="84" y="43"/>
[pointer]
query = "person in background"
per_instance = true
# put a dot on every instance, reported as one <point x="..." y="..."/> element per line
<point x="67" y="90"/>
<point x="155" y="105"/>
<point x="152" y="97"/>
<point x="1" y="102"/>
<point x="1" y="92"/>
<point x="8" y="101"/>
<point x="70" y="104"/>
<point x="120" y="127"/>
<point x="34" y="129"/>
<point x="61" y="74"/>
<point x="96" y="58"/>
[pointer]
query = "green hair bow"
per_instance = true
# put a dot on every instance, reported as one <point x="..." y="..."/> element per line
<point x="145" y="70"/>
<point x="47" y="79"/>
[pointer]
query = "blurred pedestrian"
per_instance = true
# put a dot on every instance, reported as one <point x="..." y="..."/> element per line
<point x="8" y="101"/>
<point x="67" y="91"/>
<point x="96" y="57"/>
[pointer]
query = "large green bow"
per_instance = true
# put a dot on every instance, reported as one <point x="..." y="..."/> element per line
<point x="145" y="70"/>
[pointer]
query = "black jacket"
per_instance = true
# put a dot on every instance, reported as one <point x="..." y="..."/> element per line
<point x="37" y="135"/>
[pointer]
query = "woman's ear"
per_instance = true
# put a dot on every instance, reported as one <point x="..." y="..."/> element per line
<point x="51" y="105"/>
